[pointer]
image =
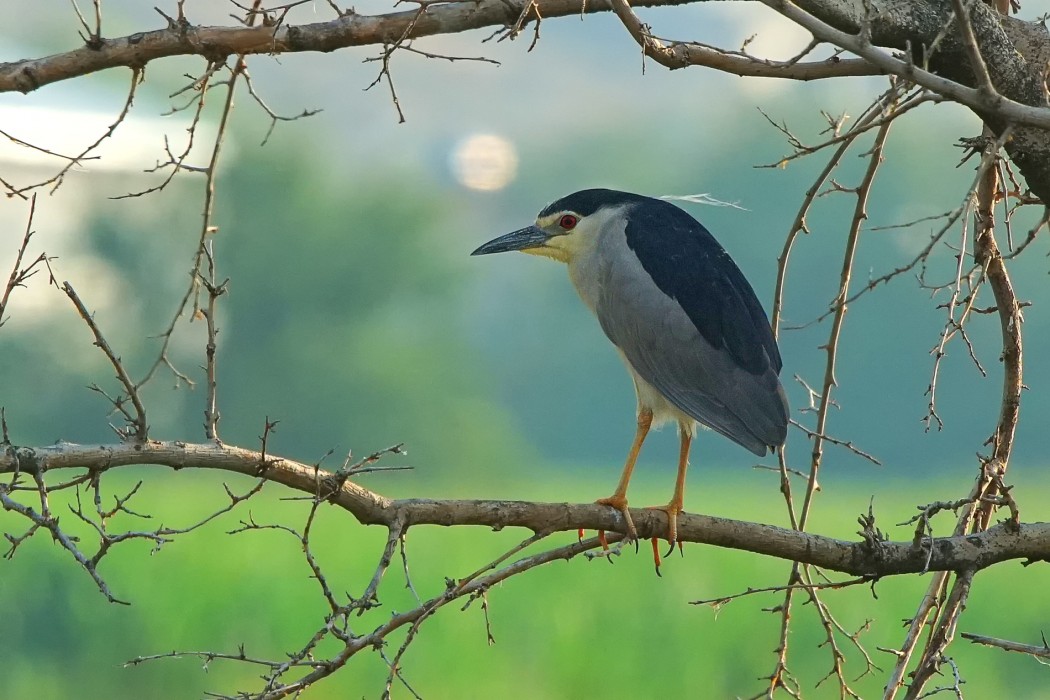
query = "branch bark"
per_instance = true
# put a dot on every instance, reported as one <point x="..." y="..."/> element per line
<point x="351" y="29"/>
<point x="934" y="53"/>
<point x="870" y="558"/>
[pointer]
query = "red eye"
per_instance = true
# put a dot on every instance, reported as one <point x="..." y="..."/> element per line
<point x="568" y="222"/>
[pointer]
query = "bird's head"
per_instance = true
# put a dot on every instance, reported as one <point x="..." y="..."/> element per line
<point x="563" y="228"/>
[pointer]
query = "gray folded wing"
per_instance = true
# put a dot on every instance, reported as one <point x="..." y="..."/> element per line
<point x="690" y="325"/>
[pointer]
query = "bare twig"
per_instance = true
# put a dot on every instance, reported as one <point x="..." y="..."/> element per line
<point x="138" y="420"/>
<point x="20" y="274"/>
<point x="1041" y="651"/>
<point x="982" y="496"/>
<point x="46" y="521"/>
<point x="208" y="277"/>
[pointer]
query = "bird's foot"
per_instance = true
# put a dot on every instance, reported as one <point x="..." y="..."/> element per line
<point x="631" y="534"/>
<point x="672" y="510"/>
<point x="620" y="504"/>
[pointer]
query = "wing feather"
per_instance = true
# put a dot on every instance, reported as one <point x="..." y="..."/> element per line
<point x="690" y="325"/>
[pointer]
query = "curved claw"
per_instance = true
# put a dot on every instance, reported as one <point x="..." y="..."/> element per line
<point x="670" y="550"/>
<point x="656" y="555"/>
<point x="672" y="510"/>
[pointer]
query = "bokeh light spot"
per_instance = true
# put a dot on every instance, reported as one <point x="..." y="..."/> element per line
<point x="484" y="162"/>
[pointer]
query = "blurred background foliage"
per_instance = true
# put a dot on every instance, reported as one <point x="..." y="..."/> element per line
<point x="356" y="318"/>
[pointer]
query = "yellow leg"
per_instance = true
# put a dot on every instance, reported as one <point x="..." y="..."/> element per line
<point x="677" y="500"/>
<point x="619" y="498"/>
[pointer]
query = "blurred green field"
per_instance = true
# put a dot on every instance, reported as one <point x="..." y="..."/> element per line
<point x="568" y="630"/>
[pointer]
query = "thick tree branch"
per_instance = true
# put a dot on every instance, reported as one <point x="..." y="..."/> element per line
<point x="679" y="54"/>
<point x="933" y="51"/>
<point x="1024" y="108"/>
<point x="1015" y="54"/>
<point x="866" y="558"/>
<point x="217" y="43"/>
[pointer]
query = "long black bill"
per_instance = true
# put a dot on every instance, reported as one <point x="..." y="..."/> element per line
<point x="529" y="237"/>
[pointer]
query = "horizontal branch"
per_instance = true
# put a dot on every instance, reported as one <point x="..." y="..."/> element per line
<point x="1041" y="651"/>
<point x="216" y="43"/>
<point x="1015" y="51"/>
<point x="434" y="17"/>
<point x="679" y="54"/>
<point x="1031" y="541"/>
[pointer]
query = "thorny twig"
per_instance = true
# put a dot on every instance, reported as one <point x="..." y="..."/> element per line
<point x="780" y="678"/>
<point x="1041" y="651"/>
<point x="58" y="178"/>
<point x="20" y="274"/>
<point x="45" y="520"/>
<point x="718" y="603"/>
<point x="138" y="427"/>
<point x="939" y="602"/>
<point x="848" y="444"/>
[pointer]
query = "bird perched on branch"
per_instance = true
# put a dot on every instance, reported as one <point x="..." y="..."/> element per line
<point x="681" y="314"/>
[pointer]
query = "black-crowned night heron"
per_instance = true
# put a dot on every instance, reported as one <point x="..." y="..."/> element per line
<point x="683" y="317"/>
